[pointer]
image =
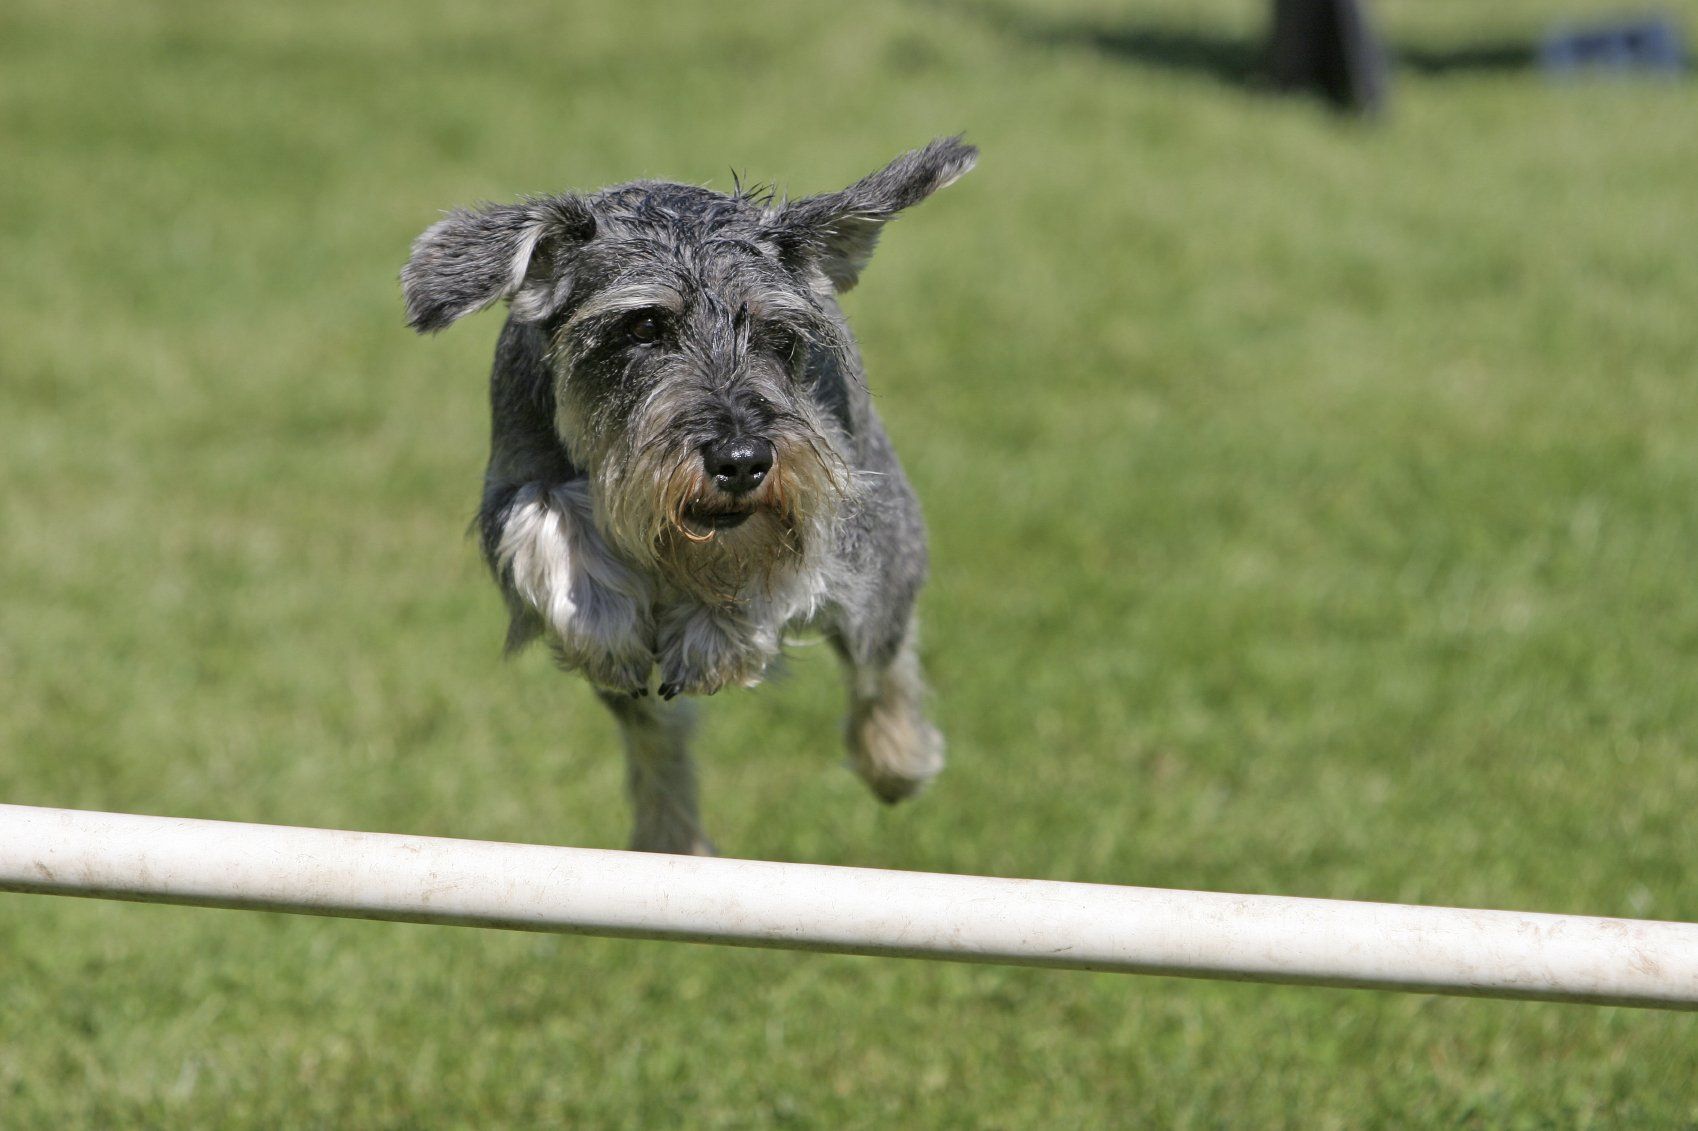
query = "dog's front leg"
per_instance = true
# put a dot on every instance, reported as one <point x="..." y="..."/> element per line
<point x="564" y="582"/>
<point x="705" y="648"/>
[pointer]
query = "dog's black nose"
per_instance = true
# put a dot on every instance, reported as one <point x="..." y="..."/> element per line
<point x="739" y="464"/>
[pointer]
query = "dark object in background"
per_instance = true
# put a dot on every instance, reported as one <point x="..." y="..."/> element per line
<point x="1328" y="47"/>
<point x="1645" y="44"/>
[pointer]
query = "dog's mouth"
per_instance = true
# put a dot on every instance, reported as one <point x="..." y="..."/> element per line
<point x="705" y="521"/>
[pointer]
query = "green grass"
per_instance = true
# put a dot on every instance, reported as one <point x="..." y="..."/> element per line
<point x="1314" y="509"/>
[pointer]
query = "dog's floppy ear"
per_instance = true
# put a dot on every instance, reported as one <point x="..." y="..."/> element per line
<point x="838" y="230"/>
<point x="476" y="257"/>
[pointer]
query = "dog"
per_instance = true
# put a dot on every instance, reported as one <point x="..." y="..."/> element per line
<point x="685" y="465"/>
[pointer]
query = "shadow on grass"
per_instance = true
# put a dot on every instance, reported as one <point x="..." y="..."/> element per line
<point x="1225" y="58"/>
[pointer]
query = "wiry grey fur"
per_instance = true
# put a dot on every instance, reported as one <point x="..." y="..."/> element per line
<point x="653" y="328"/>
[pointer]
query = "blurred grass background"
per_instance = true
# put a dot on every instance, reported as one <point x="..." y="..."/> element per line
<point x="1314" y="512"/>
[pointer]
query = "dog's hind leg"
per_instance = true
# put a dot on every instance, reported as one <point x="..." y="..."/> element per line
<point x="659" y="775"/>
<point x="893" y="746"/>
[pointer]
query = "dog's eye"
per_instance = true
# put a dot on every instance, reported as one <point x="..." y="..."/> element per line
<point x="779" y="340"/>
<point x="644" y="330"/>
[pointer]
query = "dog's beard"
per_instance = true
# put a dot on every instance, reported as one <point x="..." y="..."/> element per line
<point x="658" y="505"/>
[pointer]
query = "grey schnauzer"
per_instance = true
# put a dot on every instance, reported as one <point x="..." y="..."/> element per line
<point x="686" y="464"/>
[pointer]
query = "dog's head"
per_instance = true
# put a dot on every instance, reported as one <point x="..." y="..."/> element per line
<point x="682" y="327"/>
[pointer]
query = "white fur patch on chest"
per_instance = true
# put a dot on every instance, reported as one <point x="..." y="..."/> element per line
<point x="595" y="610"/>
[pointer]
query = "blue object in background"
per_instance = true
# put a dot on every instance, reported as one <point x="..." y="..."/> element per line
<point x="1632" y="45"/>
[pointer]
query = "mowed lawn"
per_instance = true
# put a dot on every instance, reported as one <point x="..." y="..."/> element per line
<point x="1315" y="511"/>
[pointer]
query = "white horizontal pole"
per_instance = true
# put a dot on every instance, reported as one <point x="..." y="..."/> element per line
<point x="850" y="910"/>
